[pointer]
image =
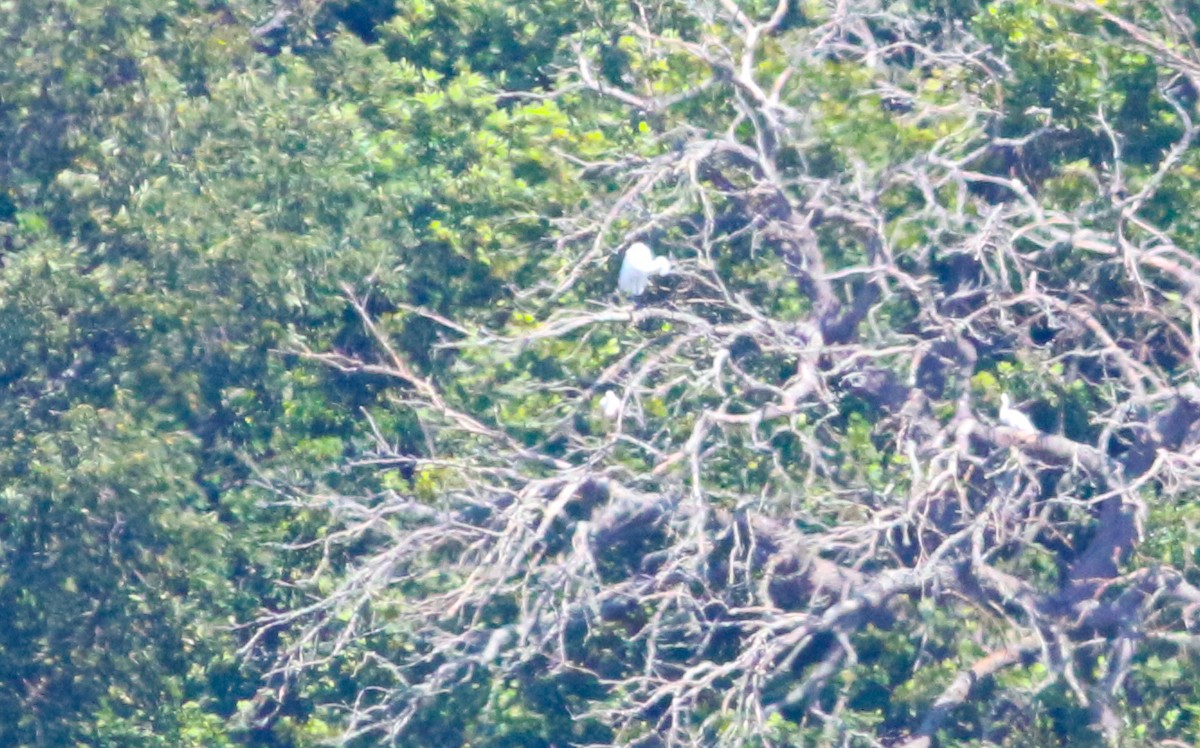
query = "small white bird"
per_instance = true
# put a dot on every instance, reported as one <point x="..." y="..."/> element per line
<point x="610" y="405"/>
<point x="637" y="267"/>
<point x="1012" y="417"/>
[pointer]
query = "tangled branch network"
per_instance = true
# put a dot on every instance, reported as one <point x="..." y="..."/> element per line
<point x="730" y="479"/>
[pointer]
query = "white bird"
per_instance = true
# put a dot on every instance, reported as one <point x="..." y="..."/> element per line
<point x="610" y="406"/>
<point x="637" y="267"/>
<point x="1012" y="417"/>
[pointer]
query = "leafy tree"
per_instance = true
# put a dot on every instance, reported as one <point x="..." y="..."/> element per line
<point x="138" y="330"/>
<point x="307" y="310"/>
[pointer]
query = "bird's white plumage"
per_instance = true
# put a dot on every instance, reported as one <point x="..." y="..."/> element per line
<point x="1012" y="417"/>
<point x="637" y="268"/>
<point x="610" y="405"/>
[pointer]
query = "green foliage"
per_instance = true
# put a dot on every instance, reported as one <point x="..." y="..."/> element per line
<point x="182" y="211"/>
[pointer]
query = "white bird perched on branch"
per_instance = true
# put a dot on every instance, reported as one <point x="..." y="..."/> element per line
<point x="1012" y="417"/>
<point x="610" y="406"/>
<point x="637" y="267"/>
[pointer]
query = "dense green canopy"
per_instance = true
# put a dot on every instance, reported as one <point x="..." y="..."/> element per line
<point x="307" y="309"/>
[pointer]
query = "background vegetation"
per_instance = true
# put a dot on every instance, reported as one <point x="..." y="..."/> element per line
<point x="306" y="308"/>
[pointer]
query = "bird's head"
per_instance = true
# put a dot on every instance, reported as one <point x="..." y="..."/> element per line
<point x="639" y="255"/>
